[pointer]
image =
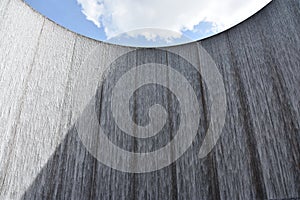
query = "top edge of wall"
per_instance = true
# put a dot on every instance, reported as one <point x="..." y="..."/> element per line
<point x="163" y="47"/>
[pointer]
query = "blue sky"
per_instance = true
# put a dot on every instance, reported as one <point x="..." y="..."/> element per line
<point x="115" y="20"/>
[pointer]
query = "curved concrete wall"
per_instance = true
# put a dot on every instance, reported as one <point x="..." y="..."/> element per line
<point x="256" y="157"/>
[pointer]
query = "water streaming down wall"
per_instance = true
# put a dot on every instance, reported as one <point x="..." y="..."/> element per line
<point x="256" y="157"/>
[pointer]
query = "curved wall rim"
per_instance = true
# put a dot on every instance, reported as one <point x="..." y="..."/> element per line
<point x="205" y="38"/>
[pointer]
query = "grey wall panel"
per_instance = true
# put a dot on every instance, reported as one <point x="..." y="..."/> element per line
<point x="47" y="84"/>
<point x="233" y="160"/>
<point x="3" y="7"/>
<point x="18" y="48"/>
<point x="269" y="42"/>
<point x="46" y="75"/>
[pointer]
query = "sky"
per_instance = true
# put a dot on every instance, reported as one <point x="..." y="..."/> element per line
<point x="147" y="22"/>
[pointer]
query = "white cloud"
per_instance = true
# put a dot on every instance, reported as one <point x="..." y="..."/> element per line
<point x="93" y="10"/>
<point x="120" y="16"/>
<point x="152" y="34"/>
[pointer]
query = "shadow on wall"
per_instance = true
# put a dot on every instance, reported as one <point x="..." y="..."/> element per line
<point x="73" y="173"/>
